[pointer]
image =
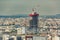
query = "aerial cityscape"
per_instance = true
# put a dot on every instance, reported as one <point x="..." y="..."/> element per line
<point x="29" y="19"/>
<point x="29" y="28"/>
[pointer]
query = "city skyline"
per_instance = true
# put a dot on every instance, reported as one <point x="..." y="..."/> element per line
<point x="43" y="7"/>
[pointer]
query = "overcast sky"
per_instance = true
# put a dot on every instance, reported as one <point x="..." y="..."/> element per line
<point x="43" y="7"/>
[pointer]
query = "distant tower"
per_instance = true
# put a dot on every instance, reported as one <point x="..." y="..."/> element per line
<point x="34" y="19"/>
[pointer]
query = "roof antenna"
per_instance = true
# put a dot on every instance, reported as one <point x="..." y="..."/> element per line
<point x="33" y="10"/>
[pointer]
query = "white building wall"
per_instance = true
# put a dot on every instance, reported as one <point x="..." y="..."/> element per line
<point x="55" y="38"/>
<point x="5" y="37"/>
<point x="21" y="30"/>
<point x="39" y="38"/>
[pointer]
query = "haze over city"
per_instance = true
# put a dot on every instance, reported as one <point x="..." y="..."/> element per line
<point x="43" y="7"/>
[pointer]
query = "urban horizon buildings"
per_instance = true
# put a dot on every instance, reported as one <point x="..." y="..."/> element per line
<point x="16" y="27"/>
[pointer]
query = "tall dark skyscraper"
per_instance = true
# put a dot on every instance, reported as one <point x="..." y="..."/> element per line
<point x="34" y="19"/>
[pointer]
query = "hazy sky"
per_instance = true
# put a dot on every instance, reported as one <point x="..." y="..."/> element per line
<point x="43" y="7"/>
